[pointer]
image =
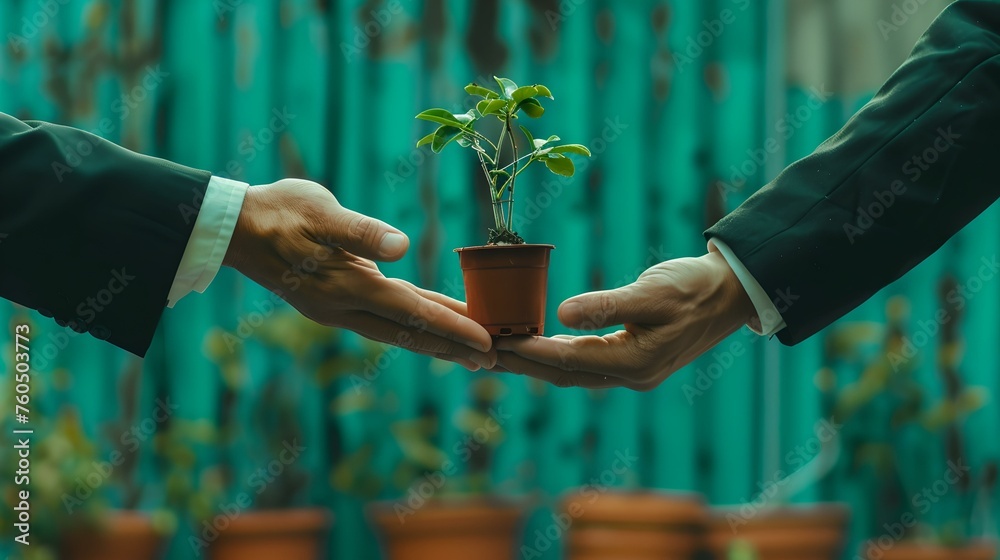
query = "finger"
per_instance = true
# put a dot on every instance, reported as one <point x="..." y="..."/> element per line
<point x="422" y="342"/>
<point x="453" y="304"/>
<point x="559" y="377"/>
<point x="406" y="307"/>
<point x="605" y="355"/>
<point x="367" y="237"/>
<point x="607" y="308"/>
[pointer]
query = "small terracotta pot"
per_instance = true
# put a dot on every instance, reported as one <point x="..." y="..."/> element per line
<point x="973" y="550"/>
<point x="476" y="529"/>
<point x="118" y="535"/>
<point x="642" y="525"/>
<point x="505" y="287"/>
<point x="802" y="532"/>
<point x="295" y="534"/>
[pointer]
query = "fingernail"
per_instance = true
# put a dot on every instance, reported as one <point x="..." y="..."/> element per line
<point x="392" y="244"/>
<point x="483" y="361"/>
<point x="471" y="366"/>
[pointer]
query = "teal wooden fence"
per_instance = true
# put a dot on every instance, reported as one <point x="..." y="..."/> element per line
<point x="671" y="96"/>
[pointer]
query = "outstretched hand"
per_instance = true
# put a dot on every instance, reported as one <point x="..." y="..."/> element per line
<point x="294" y="238"/>
<point x="672" y="313"/>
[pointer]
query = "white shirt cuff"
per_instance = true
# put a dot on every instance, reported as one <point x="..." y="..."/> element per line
<point x="209" y="241"/>
<point x="768" y="320"/>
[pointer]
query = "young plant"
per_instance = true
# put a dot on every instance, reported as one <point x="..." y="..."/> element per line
<point x="502" y="161"/>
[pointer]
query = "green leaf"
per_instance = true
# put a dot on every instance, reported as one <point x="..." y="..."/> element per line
<point x="467" y="118"/>
<point x="539" y="142"/>
<point x="440" y="116"/>
<point x="543" y="91"/>
<point x="507" y="87"/>
<point x="443" y="137"/>
<point x="476" y="89"/>
<point x="560" y="165"/>
<point x="532" y="108"/>
<point x="527" y="134"/>
<point x="578" y="149"/>
<point x="465" y="142"/>
<point x="426" y="139"/>
<point x="490" y="107"/>
<point x="523" y="92"/>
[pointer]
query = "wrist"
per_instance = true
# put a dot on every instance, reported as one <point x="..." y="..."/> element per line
<point x="244" y="234"/>
<point x="737" y="306"/>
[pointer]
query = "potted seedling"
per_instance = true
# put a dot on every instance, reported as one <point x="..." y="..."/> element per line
<point x="505" y="279"/>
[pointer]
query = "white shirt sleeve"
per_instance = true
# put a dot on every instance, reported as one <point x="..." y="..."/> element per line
<point x="768" y="320"/>
<point x="209" y="241"/>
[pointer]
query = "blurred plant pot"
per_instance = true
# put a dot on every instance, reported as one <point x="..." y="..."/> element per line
<point x="293" y="534"/>
<point x="118" y="535"/>
<point x="505" y="287"/>
<point x="972" y="550"/>
<point x="641" y="525"/>
<point x="802" y="532"/>
<point x="477" y="529"/>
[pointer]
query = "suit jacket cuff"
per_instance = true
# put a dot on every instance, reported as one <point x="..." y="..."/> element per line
<point x="209" y="241"/>
<point x="768" y="320"/>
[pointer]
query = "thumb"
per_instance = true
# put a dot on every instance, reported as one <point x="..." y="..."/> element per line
<point x="606" y="308"/>
<point x="367" y="237"/>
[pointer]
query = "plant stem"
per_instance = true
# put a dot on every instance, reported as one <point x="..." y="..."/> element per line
<point x="497" y="219"/>
<point x="517" y="160"/>
<point x="510" y="203"/>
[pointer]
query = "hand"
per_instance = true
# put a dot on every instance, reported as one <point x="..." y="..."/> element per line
<point x="674" y="312"/>
<point x="295" y="239"/>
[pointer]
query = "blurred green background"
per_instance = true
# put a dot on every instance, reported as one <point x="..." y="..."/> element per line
<point x="676" y="99"/>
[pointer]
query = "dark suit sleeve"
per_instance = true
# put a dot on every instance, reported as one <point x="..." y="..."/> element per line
<point x="91" y="234"/>
<point x="907" y="172"/>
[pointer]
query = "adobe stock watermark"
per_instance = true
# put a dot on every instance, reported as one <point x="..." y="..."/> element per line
<point x="784" y="128"/>
<point x="654" y="256"/>
<point x="922" y="502"/>
<point x="824" y="432"/>
<point x="724" y="360"/>
<point x="374" y="368"/>
<point x="695" y="45"/>
<point x="130" y="440"/>
<point x="534" y="207"/>
<point x="292" y="279"/>
<point x="225" y="7"/>
<point x="75" y="153"/>
<point x="566" y="9"/>
<point x="959" y="297"/>
<point x="87" y="311"/>
<point x="379" y="19"/>
<point x="913" y="168"/>
<point x="32" y="25"/>
<point x="423" y="490"/>
<point x="706" y="376"/>
<point x="589" y="494"/>
<point x="407" y="165"/>
<point x="901" y="14"/>
<point x="252" y="145"/>
<point x="258" y="481"/>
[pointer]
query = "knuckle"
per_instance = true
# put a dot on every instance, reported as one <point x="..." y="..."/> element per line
<point x="565" y="381"/>
<point x="404" y="340"/>
<point x="568" y="360"/>
<point x="609" y="306"/>
<point x="360" y="229"/>
<point x="645" y="386"/>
